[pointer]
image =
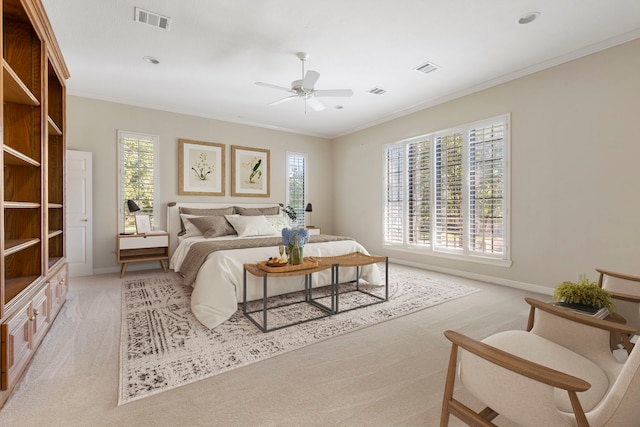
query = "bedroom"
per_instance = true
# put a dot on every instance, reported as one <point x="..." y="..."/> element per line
<point x="574" y="168"/>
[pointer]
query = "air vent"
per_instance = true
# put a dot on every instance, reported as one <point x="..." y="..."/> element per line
<point x="377" y="91"/>
<point x="427" y="67"/>
<point x="152" y="18"/>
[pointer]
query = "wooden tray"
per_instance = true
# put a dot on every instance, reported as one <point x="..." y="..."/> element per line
<point x="307" y="263"/>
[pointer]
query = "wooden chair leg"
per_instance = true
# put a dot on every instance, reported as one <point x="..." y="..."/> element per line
<point x="448" y="386"/>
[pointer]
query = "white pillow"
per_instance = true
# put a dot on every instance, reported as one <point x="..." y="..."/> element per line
<point x="277" y="221"/>
<point x="251" y="225"/>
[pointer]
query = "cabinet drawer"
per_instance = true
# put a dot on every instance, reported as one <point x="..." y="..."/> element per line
<point x="138" y="242"/>
<point x="16" y="346"/>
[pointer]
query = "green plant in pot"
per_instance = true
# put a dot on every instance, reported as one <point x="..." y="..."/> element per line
<point x="291" y="213"/>
<point x="583" y="295"/>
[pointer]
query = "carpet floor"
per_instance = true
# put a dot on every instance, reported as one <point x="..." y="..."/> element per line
<point x="163" y="346"/>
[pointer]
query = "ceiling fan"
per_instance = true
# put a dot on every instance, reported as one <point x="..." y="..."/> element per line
<point x="304" y="88"/>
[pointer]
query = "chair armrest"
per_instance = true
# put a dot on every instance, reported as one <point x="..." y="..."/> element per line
<point x="576" y="317"/>
<point x="618" y="275"/>
<point x="625" y="297"/>
<point x="518" y="365"/>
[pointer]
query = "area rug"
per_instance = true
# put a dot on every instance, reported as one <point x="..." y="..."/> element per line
<point x="163" y="346"/>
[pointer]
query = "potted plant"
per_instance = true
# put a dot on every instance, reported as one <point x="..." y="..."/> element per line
<point x="584" y="296"/>
<point x="291" y="213"/>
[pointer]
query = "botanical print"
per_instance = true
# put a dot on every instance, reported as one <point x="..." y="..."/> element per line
<point x="201" y="168"/>
<point x="250" y="171"/>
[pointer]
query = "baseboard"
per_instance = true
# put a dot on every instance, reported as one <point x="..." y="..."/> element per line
<point x="481" y="277"/>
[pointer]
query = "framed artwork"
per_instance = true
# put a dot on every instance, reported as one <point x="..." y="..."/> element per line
<point x="201" y="168"/>
<point x="250" y="171"/>
<point x="143" y="224"/>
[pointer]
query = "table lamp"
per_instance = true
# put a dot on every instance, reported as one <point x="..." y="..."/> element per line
<point x="133" y="207"/>
<point x="309" y="209"/>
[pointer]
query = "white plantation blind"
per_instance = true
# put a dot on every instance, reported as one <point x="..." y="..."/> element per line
<point x="419" y="192"/>
<point x="394" y="195"/>
<point x="487" y="168"/>
<point x="138" y="159"/>
<point x="448" y="191"/>
<point x="297" y="184"/>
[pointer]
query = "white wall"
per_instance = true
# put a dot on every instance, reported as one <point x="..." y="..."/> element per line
<point x="92" y="126"/>
<point x="575" y="164"/>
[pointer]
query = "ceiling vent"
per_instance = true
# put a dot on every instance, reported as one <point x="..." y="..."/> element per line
<point x="427" y="68"/>
<point x="152" y="18"/>
<point x="377" y="91"/>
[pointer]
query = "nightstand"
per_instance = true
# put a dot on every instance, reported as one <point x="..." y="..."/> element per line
<point x="313" y="230"/>
<point x="143" y="247"/>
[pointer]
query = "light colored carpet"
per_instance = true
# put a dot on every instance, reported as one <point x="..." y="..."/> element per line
<point x="389" y="374"/>
<point x="164" y="346"/>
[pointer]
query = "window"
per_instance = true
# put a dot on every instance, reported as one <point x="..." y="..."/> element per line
<point x="446" y="192"/>
<point x="138" y="165"/>
<point x="297" y="184"/>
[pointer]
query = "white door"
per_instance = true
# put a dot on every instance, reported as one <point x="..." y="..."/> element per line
<point x="79" y="213"/>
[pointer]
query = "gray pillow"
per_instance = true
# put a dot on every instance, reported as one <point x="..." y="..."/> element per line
<point x="202" y="212"/>
<point x="213" y="226"/>
<point x="274" y="210"/>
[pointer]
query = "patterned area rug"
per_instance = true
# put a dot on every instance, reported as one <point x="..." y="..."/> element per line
<point x="163" y="346"/>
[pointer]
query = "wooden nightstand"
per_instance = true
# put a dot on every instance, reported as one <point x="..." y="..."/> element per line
<point x="143" y="247"/>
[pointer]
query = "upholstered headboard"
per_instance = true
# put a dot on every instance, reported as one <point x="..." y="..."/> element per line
<point x="173" y="215"/>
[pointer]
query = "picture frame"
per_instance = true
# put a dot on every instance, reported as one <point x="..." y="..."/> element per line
<point x="143" y="224"/>
<point x="201" y="168"/>
<point x="250" y="171"/>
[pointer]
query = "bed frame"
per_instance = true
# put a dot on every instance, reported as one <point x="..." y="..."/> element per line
<point x="173" y="215"/>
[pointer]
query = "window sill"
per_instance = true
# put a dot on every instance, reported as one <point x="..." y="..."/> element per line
<point x="505" y="263"/>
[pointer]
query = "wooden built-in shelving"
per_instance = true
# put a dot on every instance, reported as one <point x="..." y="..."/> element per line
<point x="33" y="271"/>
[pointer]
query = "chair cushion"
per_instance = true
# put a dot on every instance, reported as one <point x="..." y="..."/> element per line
<point x="547" y="353"/>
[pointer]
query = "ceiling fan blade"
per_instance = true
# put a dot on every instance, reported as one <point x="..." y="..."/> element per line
<point x="310" y="79"/>
<point x="269" y="85"/>
<point x="334" y="92"/>
<point x="283" y="100"/>
<point x="315" y="104"/>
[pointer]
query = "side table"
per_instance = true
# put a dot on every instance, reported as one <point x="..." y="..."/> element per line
<point x="142" y="247"/>
<point x="286" y="271"/>
<point x="617" y="337"/>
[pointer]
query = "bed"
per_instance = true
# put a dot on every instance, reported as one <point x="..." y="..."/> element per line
<point x="213" y="264"/>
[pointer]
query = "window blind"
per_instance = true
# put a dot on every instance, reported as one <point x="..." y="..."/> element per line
<point x="138" y="154"/>
<point x="448" y="191"/>
<point x="394" y="195"/>
<point x="296" y="184"/>
<point x="449" y="197"/>
<point x="419" y="192"/>
<point x="486" y="188"/>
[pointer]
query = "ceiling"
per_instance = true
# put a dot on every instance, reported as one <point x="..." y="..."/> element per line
<point x="215" y="51"/>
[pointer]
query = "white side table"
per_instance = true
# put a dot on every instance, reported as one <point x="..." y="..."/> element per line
<point x="143" y="247"/>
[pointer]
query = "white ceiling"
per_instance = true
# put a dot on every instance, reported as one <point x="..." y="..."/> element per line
<point x="215" y="50"/>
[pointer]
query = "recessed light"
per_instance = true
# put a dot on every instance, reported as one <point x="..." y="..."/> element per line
<point x="339" y="107"/>
<point x="151" y="60"/>
<point x="528" y="18"/>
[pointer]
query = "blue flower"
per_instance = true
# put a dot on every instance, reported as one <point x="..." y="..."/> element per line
<point x="289" y="233"/>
